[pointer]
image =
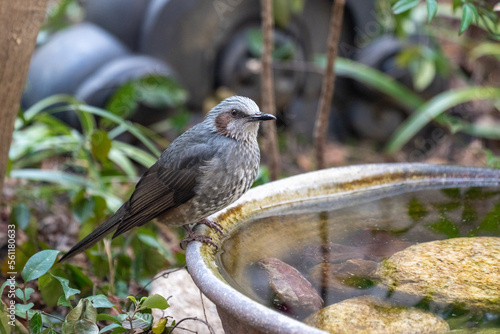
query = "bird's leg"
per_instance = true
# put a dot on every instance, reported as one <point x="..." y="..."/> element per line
<point x="213" y="225"/>
<point x="192" y="236"/>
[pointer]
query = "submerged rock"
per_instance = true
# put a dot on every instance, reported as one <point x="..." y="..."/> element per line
<point x="464" y="272"/>
<point x="371" y="315"/>
<point x="289" y="291"/>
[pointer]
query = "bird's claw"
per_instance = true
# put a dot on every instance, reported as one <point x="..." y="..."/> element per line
<point x="197" y="237"/>
<point x="192" y="236"/>
<point x="213" y="225"/>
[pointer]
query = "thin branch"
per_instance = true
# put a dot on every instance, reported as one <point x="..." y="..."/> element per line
<point x="270" y="145"/>
<point x="323" y="113"/>
<point x="195" y="319"/>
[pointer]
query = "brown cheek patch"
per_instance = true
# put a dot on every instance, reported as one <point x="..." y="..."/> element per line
<point x="221" y="122"/>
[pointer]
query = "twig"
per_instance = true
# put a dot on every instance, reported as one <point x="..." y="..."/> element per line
<point x="164" y="275"/>
<point x="203" y="307"/>
<point x="327" y="88"/>
<point x="52" y="316"/>
<point x="270" y="145"/>
<point x="195" y="319"/>
<point x="107" y="248"/>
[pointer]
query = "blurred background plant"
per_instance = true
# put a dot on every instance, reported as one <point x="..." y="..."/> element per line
<point x="416" y="80"/>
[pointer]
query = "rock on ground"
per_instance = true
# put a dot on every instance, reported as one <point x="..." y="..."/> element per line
<point x="461" y="271"/>
<point x="370" y="315"/>
<point x="185" y="302"/>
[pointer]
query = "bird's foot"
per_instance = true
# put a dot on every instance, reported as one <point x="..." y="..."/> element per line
<point x="213" y="225"/>
<point x="192" y="236"/>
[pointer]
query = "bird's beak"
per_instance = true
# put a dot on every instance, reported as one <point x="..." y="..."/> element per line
<point x="261" y="117"/>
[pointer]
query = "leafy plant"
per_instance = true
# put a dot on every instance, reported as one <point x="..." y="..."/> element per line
<point x="84" y="317"/>
<point x="472" y="11"/>
<point x="424" y="111"/>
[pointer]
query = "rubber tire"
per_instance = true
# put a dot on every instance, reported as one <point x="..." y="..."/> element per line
<point x="71" y="56"/>
<point x="97" y="89"/>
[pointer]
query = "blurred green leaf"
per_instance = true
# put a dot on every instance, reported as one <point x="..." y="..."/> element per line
<point x="122" y="161"/>
<point x="469" y="13"/>
<point x="23" y="308"/>
<point x="81" y="320"/>
<point x="118" y="120"/>
<point x="107" y="317"/>
<point x="378" y="80"/>
<point x="83" y="206"/>
<point x="485" y="49"/>
<point x="136" y="154"/>
<point x="281" y="12"/>
<point x="124" y="101"/>
<point x="100" y="301"/>
<point x="50" y="289"/>
<point x="39" y="264"/>
<point x="153" y="242"/>
<point x="21" y="216"/>
<point x="431" y="10"/>
<point x="297" y="5"/>
<point x="433" y="108"/>
<point x="68" y="292"/>
<point x="402" y="6"/>
<point x="35" y="324"/>
<point x="424" y="74"/>
<point x="160" y="326"/>
<point x="64" y="302"/>
<point x="141" y="320"/>
<point x="24" y="296"/>
<point x="115" y="327"/>
<point x="101" y="145"/>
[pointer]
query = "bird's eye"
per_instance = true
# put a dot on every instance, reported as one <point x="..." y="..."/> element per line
<point x="234" y="112"/>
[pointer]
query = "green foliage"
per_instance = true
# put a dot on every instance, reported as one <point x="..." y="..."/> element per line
<point x="284" y="9"/>
<point x="425" y="112"/>
<point x="473" y="11"/>
<point x="433" y="109"/>
<point x="154" y="91"/>
<point x="284" y="50"/>
<point x="39" y="264"/>
<point x="84" y="317"/>
<point x="91" y="167"/>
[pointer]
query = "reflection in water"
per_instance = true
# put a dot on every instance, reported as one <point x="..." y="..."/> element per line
<point x="337" y="249"/>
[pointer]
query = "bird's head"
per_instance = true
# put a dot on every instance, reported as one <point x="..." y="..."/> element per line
<point x="237" y="117"/>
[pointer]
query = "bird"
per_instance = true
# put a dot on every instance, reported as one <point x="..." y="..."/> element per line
<point x="202" y="171"/>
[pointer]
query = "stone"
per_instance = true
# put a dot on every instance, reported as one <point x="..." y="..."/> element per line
<point x="356" y="273"/>
<point x="370" y="315"/>
<point x="185" y="300"/>
<point x="333" y="253"/>
<point x="288" y="290"/>
<point x="463" y="272"/>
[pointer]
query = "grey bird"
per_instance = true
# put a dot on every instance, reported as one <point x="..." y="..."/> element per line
<point x="204" y="170"/>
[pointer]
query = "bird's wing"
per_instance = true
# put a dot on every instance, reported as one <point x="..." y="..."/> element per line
<point x="165" y="186"/>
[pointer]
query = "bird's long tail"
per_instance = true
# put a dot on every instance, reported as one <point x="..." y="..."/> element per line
<point x="99" y="233"/>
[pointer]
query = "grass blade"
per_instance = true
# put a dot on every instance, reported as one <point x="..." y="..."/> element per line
<point x="434" y="108"/>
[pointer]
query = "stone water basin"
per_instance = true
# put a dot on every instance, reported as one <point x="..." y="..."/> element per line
<point x="324" y="251"/>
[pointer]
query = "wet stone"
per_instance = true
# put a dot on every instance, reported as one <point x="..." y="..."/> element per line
<point x="462" y="272"/>
<point x="289" y="291"/>
<point x="313" y="255"/>
<point x="370" y="315"/>
<point x="356" y="273"/>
